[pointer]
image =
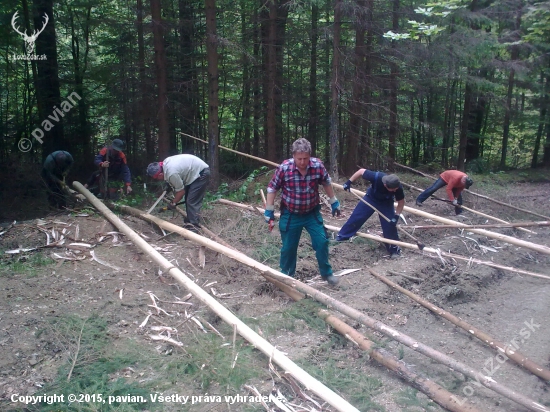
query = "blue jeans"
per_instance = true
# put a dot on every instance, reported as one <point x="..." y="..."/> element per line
<point x="291" y="225"/>
<point x="361" y="214"/>
<point x="438" y="184"/>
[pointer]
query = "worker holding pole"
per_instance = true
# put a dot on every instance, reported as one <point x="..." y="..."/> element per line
<point x="379" y="198"/>
<point x="456" y="181"/>
<point x="189" y="176"/>
<point x="299" y="179"/>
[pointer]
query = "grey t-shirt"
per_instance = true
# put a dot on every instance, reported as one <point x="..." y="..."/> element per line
<point x="182" y="170"/>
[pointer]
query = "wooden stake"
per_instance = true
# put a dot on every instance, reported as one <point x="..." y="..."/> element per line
<point x="246" y="332"/>
<point x="509" y="350"/>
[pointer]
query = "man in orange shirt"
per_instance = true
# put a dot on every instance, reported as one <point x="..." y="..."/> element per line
<point x="456" y="181"/>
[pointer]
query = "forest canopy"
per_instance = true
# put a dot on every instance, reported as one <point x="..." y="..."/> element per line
<point x="451" y="84"/>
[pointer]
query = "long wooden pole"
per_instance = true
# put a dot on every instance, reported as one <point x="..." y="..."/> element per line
<point x="477" y="194"/>
<point x="509" y="350"/>
<point x="346" y="310"/>
<point x="498" y="236"/>
<point x="246" y="332"/>
<point x="259" y="159"/>
<point x="435" y="392"/>
<point x="437" y="252"/>
<point x="496" y="219"/>
<point x="501" y="226"/>
<point x="439" y="394"/>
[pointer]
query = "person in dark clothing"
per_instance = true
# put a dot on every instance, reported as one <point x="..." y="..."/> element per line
<point x="54" y="171"/>
<point x="113" y="158"/>
<point x="456" y="181"/>
<point x="382" y="193"/>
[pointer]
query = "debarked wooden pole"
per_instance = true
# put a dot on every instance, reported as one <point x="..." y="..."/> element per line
<point x="246" y="332"/>
<point x="507" y="349"/>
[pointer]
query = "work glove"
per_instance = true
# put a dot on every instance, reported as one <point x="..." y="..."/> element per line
<point x="269" y="215"/>
<point x="335" y="206"/>
<point x="104" y="164"/>
<point x="455" y="202"/>
<point x="347" y="186"/>
<point x="171" y="206"/>
<point x="394" y="220"/>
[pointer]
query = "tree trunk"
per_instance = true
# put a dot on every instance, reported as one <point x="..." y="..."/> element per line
<point x="544" y="103"/>
<point x="144" y="100"/>
<point x="313" y="106"/>
<point x="80" y="64"/>
<point x="334" y="84"/>
<point x="393" y="130"/>
<point x="47" y="82"/>
<point x="213" y="99"/>
<point x="160" y="66"/>
<point x="350" y="161"/>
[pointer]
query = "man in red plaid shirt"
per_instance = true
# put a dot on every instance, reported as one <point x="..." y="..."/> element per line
<point x="299" y="179"/>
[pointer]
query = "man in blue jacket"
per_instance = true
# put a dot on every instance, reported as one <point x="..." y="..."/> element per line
<point x="382" y="193"/>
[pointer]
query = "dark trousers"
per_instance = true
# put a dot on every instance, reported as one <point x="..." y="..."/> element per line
<point x="194" y="195"/>
<point x="438" y="184"/>
<point x="361" y="214"/>
<point x="57" y="198"/>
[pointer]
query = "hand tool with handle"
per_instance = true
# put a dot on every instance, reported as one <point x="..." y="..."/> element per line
<point x="157" y="202"/>
<point x="271" y="222"/>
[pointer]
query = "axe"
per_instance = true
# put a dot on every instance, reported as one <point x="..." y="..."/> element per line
<point x="157" y="202"/>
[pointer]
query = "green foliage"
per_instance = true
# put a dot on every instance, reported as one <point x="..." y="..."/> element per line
<point x="29" y="264"/>
<point x="356" y="386"/>
<point x="243" y="193"/>
<point x="409" y="401"/>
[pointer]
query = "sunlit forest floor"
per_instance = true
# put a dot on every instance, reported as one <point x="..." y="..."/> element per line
<point x="70" y="324"/>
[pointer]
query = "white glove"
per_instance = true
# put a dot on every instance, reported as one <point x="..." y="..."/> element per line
<point x="455" y="202"/>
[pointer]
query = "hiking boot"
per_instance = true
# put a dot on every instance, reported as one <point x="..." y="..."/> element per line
<point x="419" y="204"/>
<point x="458" y="211"/>
<point x="341" y="239"/>
<point x="396" y="255"/>
<point x="331" y="280"/>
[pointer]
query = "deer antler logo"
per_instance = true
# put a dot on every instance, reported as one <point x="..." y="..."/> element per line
<point x="29" y="40"/>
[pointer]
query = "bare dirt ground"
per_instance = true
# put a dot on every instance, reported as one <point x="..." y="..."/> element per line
<point x="499" y="302"/>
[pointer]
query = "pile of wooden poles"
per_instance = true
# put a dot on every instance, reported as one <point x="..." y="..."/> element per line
<point x="297" y="290"/>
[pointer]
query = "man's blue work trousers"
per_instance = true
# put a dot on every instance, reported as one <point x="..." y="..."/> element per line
<point x="291" y="225"/>
<point x="360" y="215"/>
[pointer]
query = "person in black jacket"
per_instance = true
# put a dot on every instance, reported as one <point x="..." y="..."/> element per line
<point x="54" y="171"/>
